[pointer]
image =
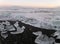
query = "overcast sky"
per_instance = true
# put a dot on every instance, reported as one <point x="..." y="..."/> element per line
<point x="31" y="3"/>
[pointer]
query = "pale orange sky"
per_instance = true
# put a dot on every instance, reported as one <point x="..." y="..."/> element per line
<point x="31" y="3"/>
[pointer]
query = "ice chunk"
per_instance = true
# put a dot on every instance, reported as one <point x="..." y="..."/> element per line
<point x="19" y="29"/>
<point x="41" y="39"/>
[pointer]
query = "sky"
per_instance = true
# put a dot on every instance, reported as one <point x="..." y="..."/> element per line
<point x="31" y="3"/>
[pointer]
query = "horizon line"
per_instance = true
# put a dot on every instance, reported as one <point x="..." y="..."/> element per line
<point x="29" y="6"/>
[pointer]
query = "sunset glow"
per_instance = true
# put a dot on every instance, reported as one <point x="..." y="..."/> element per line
<point x="31" y="3"/>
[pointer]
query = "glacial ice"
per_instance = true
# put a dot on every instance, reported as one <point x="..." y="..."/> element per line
<point x="41" y="18"/>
